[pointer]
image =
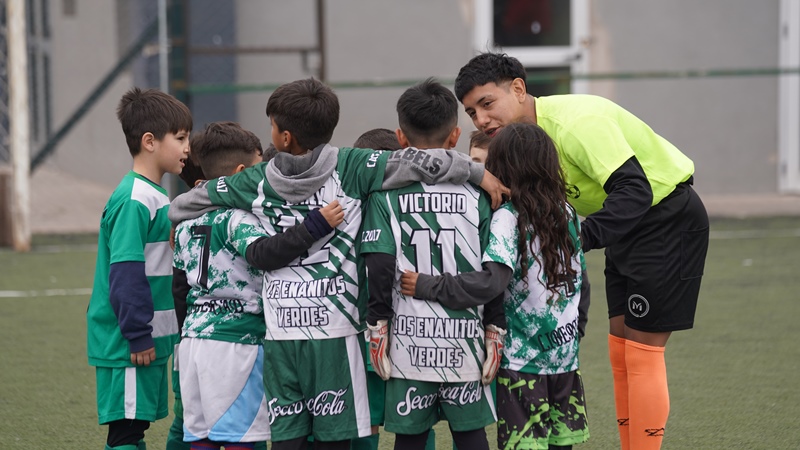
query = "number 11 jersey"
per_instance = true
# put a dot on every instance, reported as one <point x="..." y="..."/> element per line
<point x="431" y="229"/>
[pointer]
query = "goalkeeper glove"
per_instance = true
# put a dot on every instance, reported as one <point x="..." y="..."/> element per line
<point x="378" y="348"/>
<point x="493" y="338"/>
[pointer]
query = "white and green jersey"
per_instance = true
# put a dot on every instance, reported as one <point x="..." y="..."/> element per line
<point x="224" y="302"/>
<point x="431" y="229"/>
<point x="317" y="295"/>
<point x="134" y="228"/>
<point x="542" y="337"/>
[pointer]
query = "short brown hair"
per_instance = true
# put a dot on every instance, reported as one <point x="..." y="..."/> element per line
<point x="378" y="139"/>
<point x="223" y="146"/>
<point x="151" y="111"/>
<point x="479" y="139"/>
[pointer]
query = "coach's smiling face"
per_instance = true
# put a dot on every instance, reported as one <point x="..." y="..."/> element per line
<point x="492" y="106"/>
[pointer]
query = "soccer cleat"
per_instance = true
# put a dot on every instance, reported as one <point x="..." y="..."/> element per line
<point x="378" y="348"/>
<point x="493" y="338"/>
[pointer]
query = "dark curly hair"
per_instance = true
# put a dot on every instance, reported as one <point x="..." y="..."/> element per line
<point x="525" y="159"/>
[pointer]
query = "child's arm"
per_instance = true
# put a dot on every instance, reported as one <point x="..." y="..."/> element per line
<point x="180" y="290"/>
<point x="461" y="291"/>
<point x="380" y="270"/>
<point x="494" y="313"/>
<point x="271" y="253"/>
<point x="440" y="166"/>
<point x="190" y="205"/>
<point x="132" y="302"/>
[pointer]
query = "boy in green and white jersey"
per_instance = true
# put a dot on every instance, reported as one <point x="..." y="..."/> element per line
<point x="436" y="353"/>
<point x="315" y="380"/>
<point x="131" y="325"/>
<point x="221" y="353"/>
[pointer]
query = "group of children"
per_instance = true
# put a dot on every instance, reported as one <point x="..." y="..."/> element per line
<point x="290" y="267"/>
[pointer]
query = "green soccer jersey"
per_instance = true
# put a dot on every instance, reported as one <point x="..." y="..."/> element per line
<point x="542" y="336"/>
<point x="224" y="302"/>
<point x="317" y="295"/>
<point x="431" y="229"/>
<point x="595" y="136"/>
<point x="134" y="228"/>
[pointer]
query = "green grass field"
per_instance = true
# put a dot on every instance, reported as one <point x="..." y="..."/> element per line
<point x="730" y="377"/>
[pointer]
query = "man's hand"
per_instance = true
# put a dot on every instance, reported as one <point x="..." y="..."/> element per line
<point x="333" y="213"/>
<point x="495" y="189"/>
<point x="144" y="358"/>
<point x="408" y="282"/>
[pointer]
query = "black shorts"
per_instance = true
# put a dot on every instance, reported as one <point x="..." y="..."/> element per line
<point x="653" y="274"/>
<point x="539" y="411"/>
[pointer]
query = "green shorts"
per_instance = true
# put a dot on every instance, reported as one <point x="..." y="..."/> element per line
<point x="536" y="411"/>
<point x="376" y="388"/>
<point x="412" y="406"/>
<point x="132" y="393"/>
<point x="317" y="387"/>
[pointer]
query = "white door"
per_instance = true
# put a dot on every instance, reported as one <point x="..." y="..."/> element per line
<point x="789" y="99"/>
<point x="549" y="37"/>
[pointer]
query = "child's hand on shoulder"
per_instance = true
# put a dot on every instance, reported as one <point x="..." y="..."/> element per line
<point x="496" y="189"/>
<point x="333" y="213"/>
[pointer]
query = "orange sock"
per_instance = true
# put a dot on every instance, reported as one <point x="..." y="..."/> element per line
<point x="616" y="353"/>
<point x="648" y="395"/>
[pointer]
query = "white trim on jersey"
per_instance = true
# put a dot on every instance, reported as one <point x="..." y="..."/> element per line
<point x="158" y="259"/>
<point x="146" y="194"/>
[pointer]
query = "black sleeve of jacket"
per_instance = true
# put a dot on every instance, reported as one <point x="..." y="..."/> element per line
<point x="629" y="199"/>
<point x="180" y="290"/>
<point x="467" y="289"/>
<point x="274" y="252"/>
<point x="380" y="280"/>
<point x="494" y="314"/>
<point x="583" y="305"/>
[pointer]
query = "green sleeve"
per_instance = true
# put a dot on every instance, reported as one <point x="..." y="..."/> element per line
<point x="361" y="170"/>
<point x="376" y="234"/>
<point x="127" y="231"/>
<point x="239" y="191"/>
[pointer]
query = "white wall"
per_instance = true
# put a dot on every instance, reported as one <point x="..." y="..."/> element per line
<point x="728" y="126"/>
<point x="84" y="48"/>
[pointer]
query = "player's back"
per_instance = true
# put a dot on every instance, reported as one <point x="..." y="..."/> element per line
<point x="224" y="302"/>
<point x="432" y="229"/>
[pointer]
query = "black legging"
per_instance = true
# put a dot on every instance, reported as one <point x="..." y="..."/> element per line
<point x="464" y="440"/>
<point x="301" y="443"/>
<point x="126" y="432"/>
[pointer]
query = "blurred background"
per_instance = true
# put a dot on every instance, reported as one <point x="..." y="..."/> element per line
<point x="718" y="78"/>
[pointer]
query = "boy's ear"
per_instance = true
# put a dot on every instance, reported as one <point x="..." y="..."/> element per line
<point x="239" y="168"/>
<point x="148" y="142"/>
<point x="452" y="140"/>
<point x="519" y="89"/>
<point x="284" y="141"/>
<point x="401" y="138"/>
